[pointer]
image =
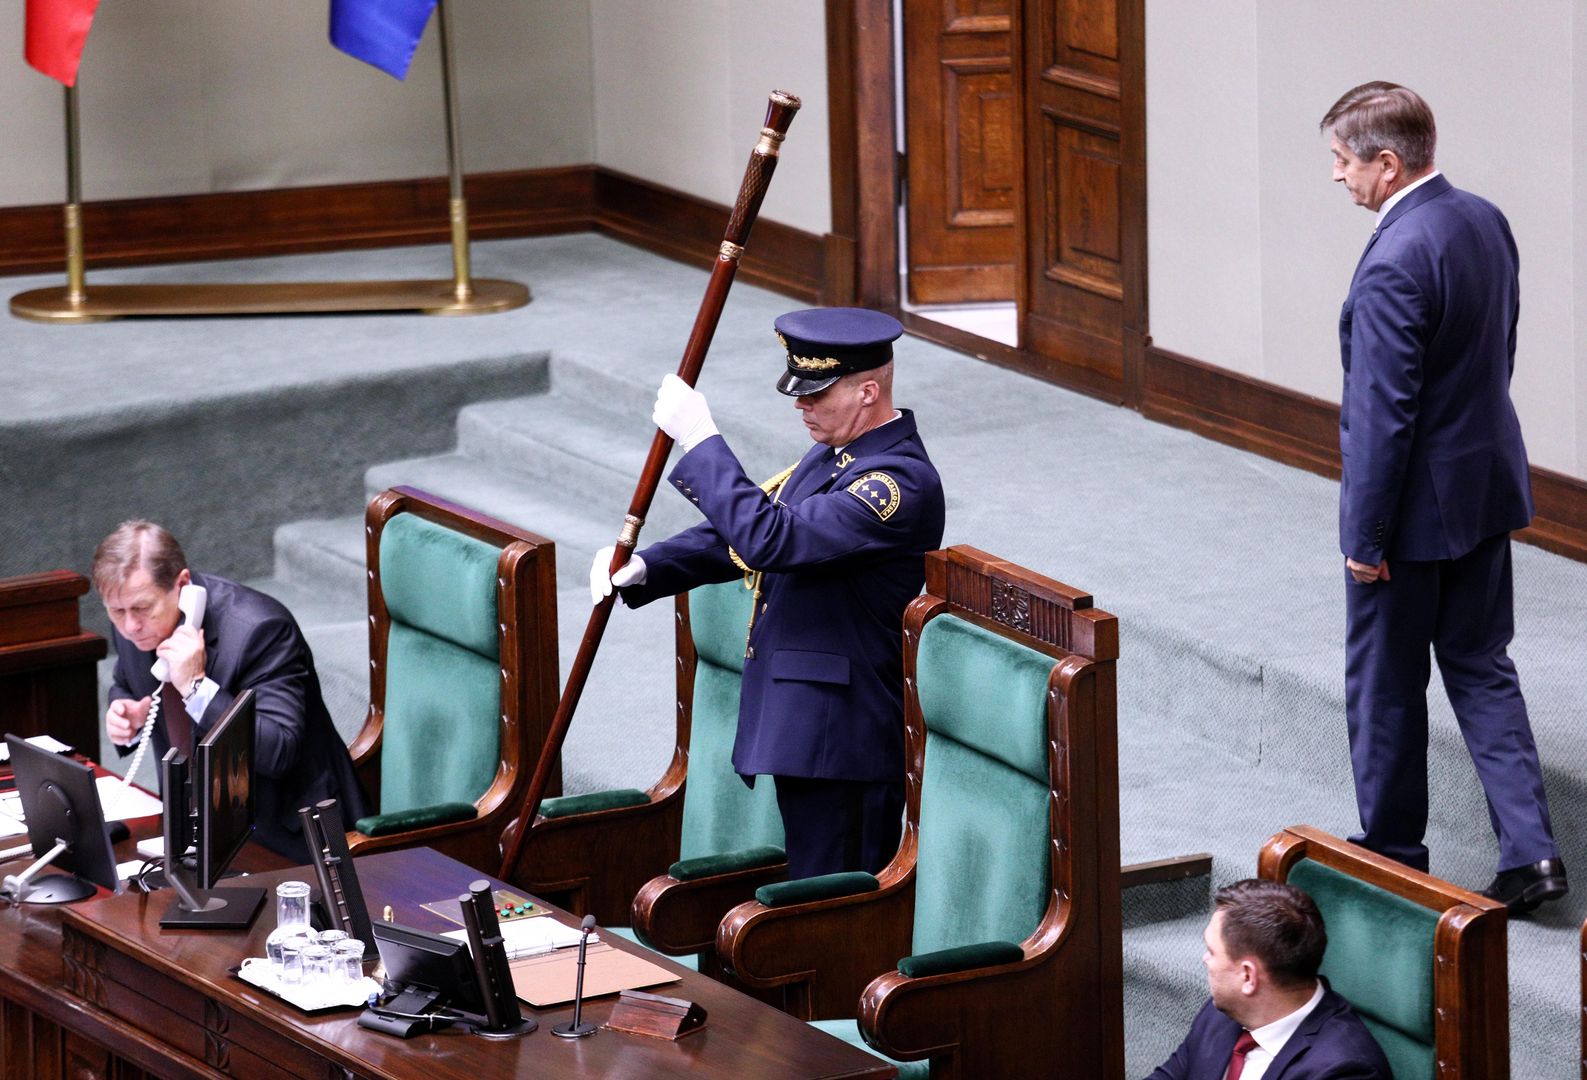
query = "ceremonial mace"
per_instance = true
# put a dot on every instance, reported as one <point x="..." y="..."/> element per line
<point x="757" y="177"/>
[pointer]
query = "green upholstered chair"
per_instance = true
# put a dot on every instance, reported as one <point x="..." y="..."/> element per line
<point x="1422" y="961"/>
<point x="462" y="675"/>
<point x="991" y="945"/>
<point x="672" y="859"/>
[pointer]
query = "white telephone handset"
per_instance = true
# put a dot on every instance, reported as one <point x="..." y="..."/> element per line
<point x="190" y="601"/>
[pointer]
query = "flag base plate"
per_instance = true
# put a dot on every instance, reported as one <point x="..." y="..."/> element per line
<point x="102" y="302"/>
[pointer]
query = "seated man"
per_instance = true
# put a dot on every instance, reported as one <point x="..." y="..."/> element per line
<point x="1271" y="1017"/>
<point x="245" y="640"/>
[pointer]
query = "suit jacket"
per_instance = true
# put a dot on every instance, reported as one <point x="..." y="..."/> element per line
<point x="842" y="549"/>
<point x="1331" y="1044"/>
<point x="1433" y="457"/>
<point x="252" y="642"/>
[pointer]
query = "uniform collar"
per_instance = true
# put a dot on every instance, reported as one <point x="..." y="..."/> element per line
<point x="880" y="437"/>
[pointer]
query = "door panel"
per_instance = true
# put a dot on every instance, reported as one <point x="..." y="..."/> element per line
<point x="1078" y="269"/>
<point x="961" y="122"/>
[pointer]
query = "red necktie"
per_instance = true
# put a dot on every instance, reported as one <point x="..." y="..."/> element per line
<point x="1242" y="1046"/>
<point x="178" y="725"/>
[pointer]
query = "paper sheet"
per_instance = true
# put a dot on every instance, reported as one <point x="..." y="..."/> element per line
<point x="118" y="806"/>
<point x="527" y="937"/>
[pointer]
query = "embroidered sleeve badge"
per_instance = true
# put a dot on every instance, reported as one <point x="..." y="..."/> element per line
<point x="878" y="491"/>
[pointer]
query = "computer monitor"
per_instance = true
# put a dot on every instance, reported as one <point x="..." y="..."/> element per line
<point x="209" y="805"/>
<point x="439" y="968"/>
<point x="66" y="826"/>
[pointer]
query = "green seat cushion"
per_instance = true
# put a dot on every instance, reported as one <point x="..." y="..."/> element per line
<point x="985" y="832"/>
<point x="721" y="813"/>
<point x="963" y="958"/>
<point x="591" y="802"/>
<point x="849" y="1032"/>
<point x="441" y="737"/>
<point x="417" y="817"/>
<point x="824" y="887"/>
<point x="727" y="863"/>
<point x="441" y="582"/>
<point x="1380" y="957"/>
<point x="627" y="933"/>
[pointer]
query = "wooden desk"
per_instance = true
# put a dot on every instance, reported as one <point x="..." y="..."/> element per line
<point x="165" y="1002"/>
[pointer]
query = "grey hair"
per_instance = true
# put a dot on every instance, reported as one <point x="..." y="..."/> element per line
<point x="1378" y="116"/>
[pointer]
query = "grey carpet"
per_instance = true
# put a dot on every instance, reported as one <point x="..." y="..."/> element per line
<point x="1222" y="566"/>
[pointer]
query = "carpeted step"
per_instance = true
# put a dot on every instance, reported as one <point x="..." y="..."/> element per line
<point x="322" y="560"/>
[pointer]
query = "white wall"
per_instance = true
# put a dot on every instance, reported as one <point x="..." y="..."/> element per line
<point x="1252" y="246"/>
<point x="187" y="96"/>
<point x="680" y="95"/>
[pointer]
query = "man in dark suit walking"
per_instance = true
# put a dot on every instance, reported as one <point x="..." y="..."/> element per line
<point x="1435" y="478"/>
<point x="1270" y="1017"/>
<point x="246" y="640"/>
<point x="834" y="549"/>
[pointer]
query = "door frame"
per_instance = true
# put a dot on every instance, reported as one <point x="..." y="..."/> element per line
<point x="862" y="249"/>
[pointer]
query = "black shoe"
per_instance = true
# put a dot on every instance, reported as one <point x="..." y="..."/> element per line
<point x="1525" y="887"/>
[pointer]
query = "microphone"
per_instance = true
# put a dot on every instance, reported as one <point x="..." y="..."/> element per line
<point x="574" y="1029"/>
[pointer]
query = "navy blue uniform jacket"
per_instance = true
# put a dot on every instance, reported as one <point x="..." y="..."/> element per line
<point x="252" y="642"/>
<point x="1331" y="1044"/>
<point x="1433" y="457"/>
<point x="842" y="549"/>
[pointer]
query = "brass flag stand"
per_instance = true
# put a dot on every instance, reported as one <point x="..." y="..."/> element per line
<point x="77" y="302"/>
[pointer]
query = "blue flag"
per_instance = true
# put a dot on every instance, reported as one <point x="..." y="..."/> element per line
<point x="380" y="32"/>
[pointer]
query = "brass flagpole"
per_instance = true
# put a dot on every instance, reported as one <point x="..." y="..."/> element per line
<point x="462" y="295"/>
<point x="76" y="285"/>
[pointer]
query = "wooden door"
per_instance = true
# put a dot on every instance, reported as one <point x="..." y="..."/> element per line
<point x="1084" y="131"/>
<point x="960" y="129"/>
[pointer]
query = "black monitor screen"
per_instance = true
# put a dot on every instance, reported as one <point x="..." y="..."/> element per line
<point x="416" y="958"/>
<point x="60" y="802"/>
<point x="223" y="787"/>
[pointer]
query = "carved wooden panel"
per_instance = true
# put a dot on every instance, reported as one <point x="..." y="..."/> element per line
<point x="1083" y="206"/>
<point x="961" y="123"/>
<point x="1084" y="192"/>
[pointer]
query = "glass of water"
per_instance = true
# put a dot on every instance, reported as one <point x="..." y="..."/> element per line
<point x="350" y="959"/>
<point x="292" y="950"/>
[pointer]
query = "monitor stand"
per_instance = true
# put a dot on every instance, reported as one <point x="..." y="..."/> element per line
<point x="217" y="909"/>
<point x="57" y="889"/>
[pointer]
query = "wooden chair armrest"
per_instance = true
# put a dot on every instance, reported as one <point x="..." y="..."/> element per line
<point x="680" y="917"/>
<point x="912" y="1018"/>
<point x="824" y="952"/>
<point x="594" y="863"/>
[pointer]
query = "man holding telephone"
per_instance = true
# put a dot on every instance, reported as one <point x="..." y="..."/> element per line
<point x="211" y="639"/>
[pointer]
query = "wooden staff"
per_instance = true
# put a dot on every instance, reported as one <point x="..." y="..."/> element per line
<point x="757" y="177"/>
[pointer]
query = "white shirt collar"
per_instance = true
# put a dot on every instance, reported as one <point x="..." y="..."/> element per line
<point x="1270" y="1038"/>
<point x="1388" y="204"/>
<point x="837" y="451"/>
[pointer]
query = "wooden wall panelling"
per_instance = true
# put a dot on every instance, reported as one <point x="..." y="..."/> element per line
<point x="48" y="679"/>
<point x="961" y="150"/>
<point x="1303" y="431"/>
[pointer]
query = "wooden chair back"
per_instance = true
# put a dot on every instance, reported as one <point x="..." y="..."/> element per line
<point x="1422" y="961"/>
<point x="525" y="663"/>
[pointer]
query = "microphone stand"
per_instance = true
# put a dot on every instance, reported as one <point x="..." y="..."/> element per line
<point x="574" y="1029"/>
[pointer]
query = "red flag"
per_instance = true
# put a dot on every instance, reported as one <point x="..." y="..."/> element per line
<point x="56" y="31"/>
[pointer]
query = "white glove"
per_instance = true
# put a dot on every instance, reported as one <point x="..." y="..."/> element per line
<point x="631" y="572"/>
<point x="682" y="413"/>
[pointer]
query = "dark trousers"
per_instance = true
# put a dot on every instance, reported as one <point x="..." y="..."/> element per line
<point x="830" y="826"/>
<point x="1463" y="609"/>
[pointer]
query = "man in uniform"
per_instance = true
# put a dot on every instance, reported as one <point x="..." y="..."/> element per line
<point x="839" y="547"/>
<point x="246" y="640"/>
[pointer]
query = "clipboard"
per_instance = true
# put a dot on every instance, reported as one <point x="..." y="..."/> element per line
<point x="549" y="978"/>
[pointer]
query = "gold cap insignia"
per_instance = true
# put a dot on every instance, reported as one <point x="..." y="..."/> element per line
<point x="878" y="491"/>
<point x="813" y="363"/>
